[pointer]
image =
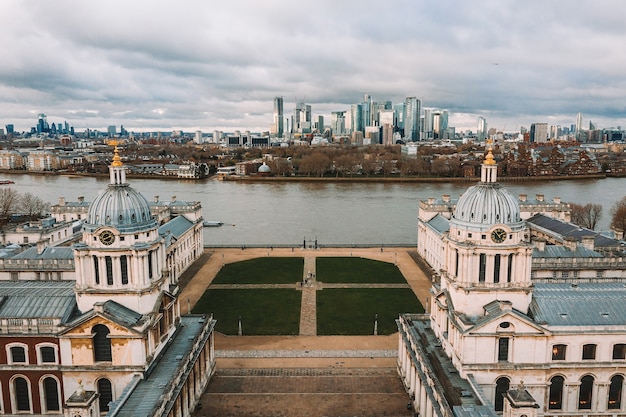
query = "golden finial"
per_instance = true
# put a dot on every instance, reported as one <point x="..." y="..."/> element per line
<point x="117" y="160"/>
<point x="489" y="157"/>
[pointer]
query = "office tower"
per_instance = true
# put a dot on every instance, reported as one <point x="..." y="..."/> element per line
<point x="42" y="124"/>
<point x="440" y="123"/>
<point x="398" y="117"/>
<point x="277" y="128"/>
<point x="338" y="123"/>
<point x="10" y="129"/>
<point x="427" y="125"/>
<point x="198" y="137"/>
<point x="387" y="133"/>
<point x="579" y="126"/>
<point x="356" y="114"/>
<point x="555" y="132"/>
<point x="412" y="119"/>
<point x="539" y="133"/>
<point x="111" y="131"/>
<point x="481" y="129"/>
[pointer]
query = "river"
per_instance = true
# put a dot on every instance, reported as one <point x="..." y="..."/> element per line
<point x="286" y="213"/>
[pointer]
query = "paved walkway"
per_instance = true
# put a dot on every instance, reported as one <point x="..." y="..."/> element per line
<point x="308" y="305"/>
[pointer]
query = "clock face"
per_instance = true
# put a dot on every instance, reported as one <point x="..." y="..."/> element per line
<point x="498" y="235"/>
<point x="107" y="237"/>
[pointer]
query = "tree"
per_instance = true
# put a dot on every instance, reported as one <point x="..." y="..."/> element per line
<point x="586" y="216"/>
<point x="32" y="206"/>
<point x="8" y="202"/>
<point x="618" y="215"/>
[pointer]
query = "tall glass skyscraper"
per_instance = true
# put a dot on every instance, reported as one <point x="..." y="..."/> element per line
<point x="412" y="111"/>
<point x="277" y="128"/>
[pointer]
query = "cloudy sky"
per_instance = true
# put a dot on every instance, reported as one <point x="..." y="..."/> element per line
<point x="187" y="64"/>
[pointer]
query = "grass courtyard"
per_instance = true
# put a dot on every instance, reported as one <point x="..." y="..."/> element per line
<point x="339" y="311"/>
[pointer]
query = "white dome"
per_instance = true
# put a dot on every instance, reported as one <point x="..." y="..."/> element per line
<point x="121" y="207"/>
<point x="487" y="204"/>
<point x="264" y="169"/>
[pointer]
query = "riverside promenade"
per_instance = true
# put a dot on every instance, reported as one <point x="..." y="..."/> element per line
<point x="304" y="375"/>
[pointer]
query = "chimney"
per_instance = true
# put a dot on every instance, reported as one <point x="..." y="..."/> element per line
<point x="431" y="200"/>
<point x="173" y="198"/>
<point x="619" y="234"/>
<point x="571" y="243"/>
<point x="540" y="244"/>
<point x="446" y="198"/>
<point x="156" y="198"/>
<point x="81" y="198"/>
<point x="539" y="197"/>
<point x="522" y="197"/>
<point x="61" y="201"/>
<point x="41" y="246"/>
<point x="557" y="200"/>
<point x="589" y="241"/>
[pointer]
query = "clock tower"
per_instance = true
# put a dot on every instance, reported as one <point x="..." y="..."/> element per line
<point x="121" y="256"/>
<point x="488" y="255"/>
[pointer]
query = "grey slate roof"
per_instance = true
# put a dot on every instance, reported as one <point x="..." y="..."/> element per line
<point x="37" y="299"/>
<point x="145" y="397"/>
<point x="557" y="251"/>
<point x="55" y="252"/>
<point x="116" y="312"/>
<point x="584" y="304"/>
<point x="571" y="230"/>
<point x="439" y="223"/>
<point x="176" y="228"/>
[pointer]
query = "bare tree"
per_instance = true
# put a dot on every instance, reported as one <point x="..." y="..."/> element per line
<point x="586" y="215"/>
<point x="618" y="215"/>
<point x="9" y="199"/>
<point x="32" y="206"/>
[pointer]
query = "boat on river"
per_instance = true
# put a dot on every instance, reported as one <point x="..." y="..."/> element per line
<point x="5" y="182"/>
<point x="212" y="223"/>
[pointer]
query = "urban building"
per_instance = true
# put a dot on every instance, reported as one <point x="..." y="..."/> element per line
<point x="539" y="133"/>
<point x="525" y="313"/>
<point x="412" y="111"/>
<point x="277" y="128"/>
<point x="111" y="339"/>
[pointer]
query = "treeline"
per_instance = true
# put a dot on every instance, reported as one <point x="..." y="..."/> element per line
<point x="25" y="206"/>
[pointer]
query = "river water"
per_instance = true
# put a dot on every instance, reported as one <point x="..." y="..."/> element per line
<point x="287" y="213"/>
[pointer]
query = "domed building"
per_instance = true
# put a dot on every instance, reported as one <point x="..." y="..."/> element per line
<point x="114" y="341"/>
<point x="522" y="320"/>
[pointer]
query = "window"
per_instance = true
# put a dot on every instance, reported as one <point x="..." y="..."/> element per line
<point x="502" y="386"/>
<point x="496" y="269"/>
<point x="584" y="395"/>
<point x="96" y="269"/>
<point x="109" y="265"/>
<point x="482" y="267"/>
<point x="589" y="352"/>
<point x="555" y="401"/>
<point x="615" y="393"/>
<point x="503" y="349"/>
<point x="21" y="395"/>
<point x="106" y="394"/>
<point x="558" y="352"/>
<point x="47" y="354"/>
<point x="51" y="394"/>
<point x="150" y="266"/>
<point x="509" y="269"/>
<point x="15" y="276"/>
<point x="456" y="263"/>
<point x="101" y="343"/>
<point x="619" y="351"/>
<point x="17" y="353"/>
<point x="124" y="268"/>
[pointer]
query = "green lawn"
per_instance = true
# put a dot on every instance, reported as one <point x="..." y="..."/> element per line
<point x="268" y="270"/>
<point x="352" y="311"/>
<point x="263" y="311"/>
<point x="357" y="270"/>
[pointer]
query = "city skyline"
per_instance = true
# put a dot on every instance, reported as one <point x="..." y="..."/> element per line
<point x="195" y="65"/>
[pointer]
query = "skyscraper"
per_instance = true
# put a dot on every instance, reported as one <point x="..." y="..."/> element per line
<point x="412" y="110"/>
<point x="338" y="123"/>
<point x="579" y="126"/>
<point x="481" y="129"/>
<point x="277" y="127"/>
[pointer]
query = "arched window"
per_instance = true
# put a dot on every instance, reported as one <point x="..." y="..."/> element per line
<point x="51" y="394"/>
<point x="556" y="393"/>
<point x="502" y="386"/>
<point x="585" y="393"/>
<point x="101" y="343"/>
<point x="106" y="394"/>
<point x="21" y="394"/>
<point x="615" y="392"/>
<point x="509" y="269"/>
